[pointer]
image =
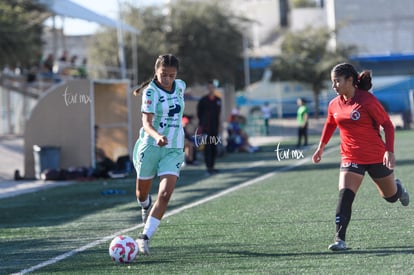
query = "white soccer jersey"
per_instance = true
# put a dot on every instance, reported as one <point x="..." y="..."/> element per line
<point x="168" y="109"/>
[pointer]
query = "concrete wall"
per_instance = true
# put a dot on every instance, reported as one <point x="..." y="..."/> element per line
<point x="265" y="16"/>
<point x="305" y="17"/>
<point x="61" y="118"/>
<point x="375" y="26"/>
<point x="66" y="116"/>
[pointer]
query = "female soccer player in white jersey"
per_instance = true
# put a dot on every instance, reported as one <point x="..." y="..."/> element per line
<point x="159" y="148"/>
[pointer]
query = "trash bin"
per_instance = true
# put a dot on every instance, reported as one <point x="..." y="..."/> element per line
<point x="45" y="157"/>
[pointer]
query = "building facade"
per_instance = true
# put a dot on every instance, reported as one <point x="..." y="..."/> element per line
<point x="376" y="27"/>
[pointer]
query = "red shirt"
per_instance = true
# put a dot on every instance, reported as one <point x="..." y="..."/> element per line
<point x="359" y="120"/>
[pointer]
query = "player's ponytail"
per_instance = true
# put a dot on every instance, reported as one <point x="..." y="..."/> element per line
<point x="364" y="81"/>
<point x="137" y="91"/>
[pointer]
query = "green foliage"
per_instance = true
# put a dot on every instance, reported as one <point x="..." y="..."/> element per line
<point x="20" y="32"/>
<point x="103" y="52"/>
<point x="204" y="38"/>
<point x="152" y="24"/>
<point x="209" y="44"/>
<point x="306" y="57"/>
<point x="303" y="3"/>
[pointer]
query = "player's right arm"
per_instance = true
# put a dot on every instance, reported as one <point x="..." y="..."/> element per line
<point x="317" y="156"/>
<point x="327" y="132"/>
<point x="147" y="124"/>
<point x="148" y="109"/>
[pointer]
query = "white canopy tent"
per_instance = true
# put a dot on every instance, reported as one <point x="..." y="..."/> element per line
<point x="70" y="9"/>
<point x="67" y="8"/>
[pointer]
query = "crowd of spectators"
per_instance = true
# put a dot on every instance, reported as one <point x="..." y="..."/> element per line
<point x="48" y="68"/>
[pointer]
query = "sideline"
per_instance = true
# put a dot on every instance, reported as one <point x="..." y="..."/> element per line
<point x="172" y="212"/>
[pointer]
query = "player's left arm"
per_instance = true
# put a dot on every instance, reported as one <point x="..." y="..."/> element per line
<point x="381" y="117"/>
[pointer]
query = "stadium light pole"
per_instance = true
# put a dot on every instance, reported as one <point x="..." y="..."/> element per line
<point x="121" y="53"/>
<point x="246" y="61"/>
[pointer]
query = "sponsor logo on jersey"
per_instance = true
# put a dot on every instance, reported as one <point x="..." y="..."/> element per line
<point x="174" y="109"/>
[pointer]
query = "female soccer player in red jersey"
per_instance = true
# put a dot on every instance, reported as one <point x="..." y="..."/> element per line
<point x="359" y="115"/>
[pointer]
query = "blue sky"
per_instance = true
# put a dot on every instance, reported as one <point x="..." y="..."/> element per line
<point x="108" y="8"/>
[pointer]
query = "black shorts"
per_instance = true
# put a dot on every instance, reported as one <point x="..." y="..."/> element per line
<point x="376" y="170"/>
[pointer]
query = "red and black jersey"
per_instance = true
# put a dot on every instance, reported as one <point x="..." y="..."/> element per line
<point x="359" y="120"/>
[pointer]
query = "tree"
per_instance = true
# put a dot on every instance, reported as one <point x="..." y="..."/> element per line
<point x="306" y="57"/>
<point x="21" y="25"/>
<point x="205" y="39"/>
<point x="152" y="41"/>
<point x="208" y="41"/>
<point x="303" y="3"/>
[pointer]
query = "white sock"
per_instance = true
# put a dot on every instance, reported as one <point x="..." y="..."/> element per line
<point x="151" y="226"/>
<point x="144" y="204"/>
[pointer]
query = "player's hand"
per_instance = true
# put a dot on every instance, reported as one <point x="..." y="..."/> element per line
<point x="162" y="141"/>
<point x="317" y="156"/>
<point x="389" y="160"/>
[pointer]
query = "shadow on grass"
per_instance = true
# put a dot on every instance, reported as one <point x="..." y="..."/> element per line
<point x="64" y="204"/>
<point x="405" y="162"/>
<point x="235" y="253"/>
<point x="384" y="251"/>
<point x="336" y="165"/>
<point x="378" y="251"/>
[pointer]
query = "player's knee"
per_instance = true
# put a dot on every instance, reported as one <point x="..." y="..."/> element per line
<point x="164" y="196"/>
<point x="345" y="200"/>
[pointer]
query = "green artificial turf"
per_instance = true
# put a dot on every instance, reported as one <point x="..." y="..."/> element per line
<point x="280" y="223"/>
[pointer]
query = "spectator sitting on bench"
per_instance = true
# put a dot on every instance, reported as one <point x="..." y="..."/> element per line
<point x="238" y="140"/>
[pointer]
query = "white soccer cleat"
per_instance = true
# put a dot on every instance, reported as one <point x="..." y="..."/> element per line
<point x="339" y="245"/>
<point x="143" y="244"/>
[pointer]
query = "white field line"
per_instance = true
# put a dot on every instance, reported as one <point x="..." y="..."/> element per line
<point x="170" y="213"/>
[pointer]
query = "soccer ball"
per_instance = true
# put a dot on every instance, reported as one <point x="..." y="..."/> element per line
<point x="123" y="249"/>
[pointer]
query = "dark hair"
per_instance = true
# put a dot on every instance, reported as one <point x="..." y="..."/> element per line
<point x="166" y="60"/>
<point x="362" y="80"/>
<point x="303" y="100"/>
